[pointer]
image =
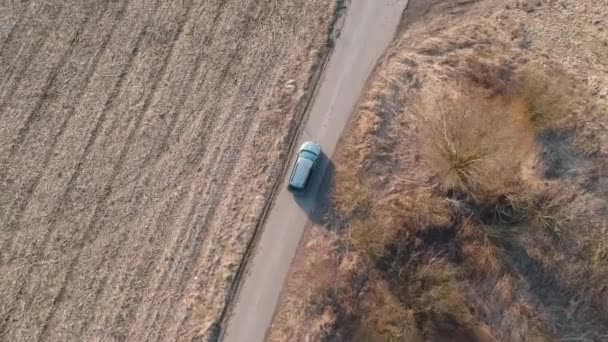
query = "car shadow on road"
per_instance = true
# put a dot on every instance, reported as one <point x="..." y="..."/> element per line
<point x="316" y="201"/>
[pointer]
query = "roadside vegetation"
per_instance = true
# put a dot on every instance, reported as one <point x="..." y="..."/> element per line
<point x="469" y="202"/>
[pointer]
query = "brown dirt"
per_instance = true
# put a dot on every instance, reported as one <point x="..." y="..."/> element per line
<point x="139" y="143"/>
<point x="516" y="249"/>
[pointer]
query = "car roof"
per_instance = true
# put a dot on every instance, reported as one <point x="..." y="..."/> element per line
<point x="311" y="146"/>
<point x="300" y="172"/>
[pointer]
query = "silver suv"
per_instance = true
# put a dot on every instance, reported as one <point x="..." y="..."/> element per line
<point x="308" y="156"/>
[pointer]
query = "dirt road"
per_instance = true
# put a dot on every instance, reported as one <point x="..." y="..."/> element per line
<point x="368" y="29"/>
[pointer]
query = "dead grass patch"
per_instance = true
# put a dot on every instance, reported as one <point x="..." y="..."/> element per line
<point x="545" y="93"/>
<point x="351" y="197"/>
<point x="385" y="317"/>
<point x="414" y="211"/>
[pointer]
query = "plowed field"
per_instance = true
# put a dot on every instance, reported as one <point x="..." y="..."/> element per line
<point x="139" y="143"/>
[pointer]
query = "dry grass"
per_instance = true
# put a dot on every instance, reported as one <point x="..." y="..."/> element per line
<point x="126" y="129"/>
<point x="469" y="187"/>
<point x="545" y="94"/>
<point x="384" y="317"/>
<point x="351" y="197"/>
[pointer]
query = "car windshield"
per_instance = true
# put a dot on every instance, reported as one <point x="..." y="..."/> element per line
<point x="308" y="155"/>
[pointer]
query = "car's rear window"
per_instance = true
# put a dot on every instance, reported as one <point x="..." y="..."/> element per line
<point x="300" y="172"/>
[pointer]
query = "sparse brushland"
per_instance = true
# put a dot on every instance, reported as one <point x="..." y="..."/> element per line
<point x="139" y="143"/>
<point x="469" y="199"/>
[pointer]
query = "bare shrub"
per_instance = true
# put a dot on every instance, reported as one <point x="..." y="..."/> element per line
<point x="548" y="210"/>
<point x="472" y="141"/>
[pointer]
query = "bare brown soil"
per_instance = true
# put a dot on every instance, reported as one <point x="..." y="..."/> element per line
<point x="139" y="143"/>
<point x="469" y="200"/>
